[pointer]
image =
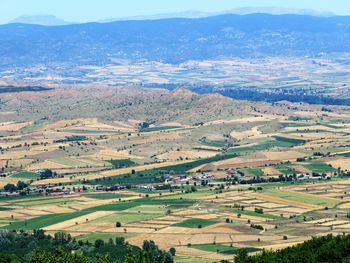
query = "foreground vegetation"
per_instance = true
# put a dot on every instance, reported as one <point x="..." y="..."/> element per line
<point x="322" y="249"/>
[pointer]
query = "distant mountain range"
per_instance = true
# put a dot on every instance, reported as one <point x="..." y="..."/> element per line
<point x="44" y="20"/>
<point x="174" y="40"/>
<point x="50" y="20"/>
<point x="237" y="11"/>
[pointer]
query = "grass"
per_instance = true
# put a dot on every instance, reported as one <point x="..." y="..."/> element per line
<point x="217" y="143"/>
<point x="44" y="221"/>
<point x="46" y="201"/>
<point x="160" y="128"/>
<point x="35" y="125"/>
<point x="26" y="175"/>
<point x="259" y="147"/>
<point x="195" y="223"/>
<point x="69" y="162"/>
<point x="253" y="213"/>
<point x="253" y="171"/>
<point x="106" y="196"/>
<point x="286" y="168"/>
<point x="289" y="141"/>
<point x="319" y="167"/>
<point x="223" y="249"/>
<point x="122" y="163"/>
<point x="304" y="198"/>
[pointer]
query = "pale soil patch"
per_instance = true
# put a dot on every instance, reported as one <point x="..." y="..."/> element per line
<point x="174" y="230"/>
<point x="5" y="113"/>
<point x="47" y="165"/>
<point x="283" y="155"/>
<point x="335" y="223"/>
<point x="159" y="138"/>
<point x="279" y="200"/>
<point x="12" y="126"/>
<point x="345" y="226"/>
<point x="54" y="209"/>
<point x="205" y="255"/>
<point x="5" y="181"/>
<point x="16" y="215"/>
<point x="79" y="220"/>
<point x="294" y="210"/>
<point x="282" y="245"/>
<point x="133" y="230"/>
<point x="252" y="164"/>
<point x="242" y="120"/>
<point x="270" y="205"/>
<point x="345" y="205"/>
<point x="301" y="169"/>
<point x="254" y="132"/>
<point x="90" y="227"/>
<point x="190" y="154"/>
<point x="271" y="171"/>
<point x="216" y="229"/>
<point x="343" y="163"/>
<point x="109" y="154"/>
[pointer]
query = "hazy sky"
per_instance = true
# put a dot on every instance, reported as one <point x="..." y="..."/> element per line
<point x="92" y="10"/>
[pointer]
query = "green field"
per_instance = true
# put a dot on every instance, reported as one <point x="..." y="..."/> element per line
<point x="44" y="221"/>
<point x="305" y="198"/>
<point x="195" y="223"/>
<point x="122" y="163"/>
<point x="253" y="213"/>
<point x="26" y="175"/>
<point x="222" y="249"/>
<point x="289" y="142"/>
<point x="319" y="167"/>
<point x="253" y="171"/>
<point x="105" y="196"/>
<point x="160" y="128"/>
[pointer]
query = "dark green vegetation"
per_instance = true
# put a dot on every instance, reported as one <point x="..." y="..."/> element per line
<point x="253" y="213"/>
<point x="196" y="223"/>
<point x="160" y="128"/>
<point x="319" y="167"/>
<point x="73" y="138"/>
<point x="122" y="163"/>
<point x="265" y="145"/>
<point x="26" y="175"/>
<point x="316" y="250"/>
<point x="289" y="142"/>
<point x="62" y="248"/>
<point x="44" y="221"/>
<point x="104" y="196"/>
<point x="228" y="250"/>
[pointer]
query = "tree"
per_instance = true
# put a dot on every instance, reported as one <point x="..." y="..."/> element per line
<point x="46" y="174"/>
<point x="10" y="188"/>
<point x="99" y="243"/>
<point x="21" y="185"/>
<point x="172" y="251"/>
<point x="118" y="224"/>
<point x="119" y="241"/>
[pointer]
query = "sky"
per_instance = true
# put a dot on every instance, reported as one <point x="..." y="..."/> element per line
<point x="94" y="10"/>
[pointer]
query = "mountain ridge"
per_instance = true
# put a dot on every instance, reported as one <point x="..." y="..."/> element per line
<point x="174" y="40"/>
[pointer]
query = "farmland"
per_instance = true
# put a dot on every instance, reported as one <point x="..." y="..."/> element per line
<point x="204" y="174"/>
